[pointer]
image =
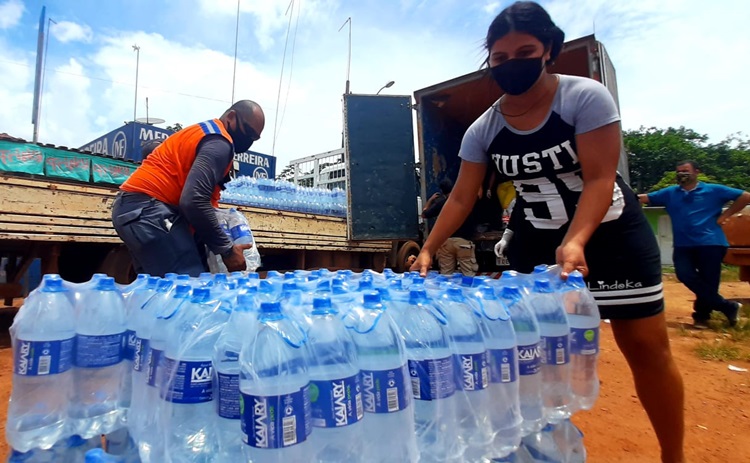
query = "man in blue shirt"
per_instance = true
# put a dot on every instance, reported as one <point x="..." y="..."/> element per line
<point x="699" y="242"/>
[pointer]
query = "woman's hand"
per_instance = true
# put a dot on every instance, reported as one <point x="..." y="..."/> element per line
<point x="570" y="257"/>
<point x="423" y="263"/>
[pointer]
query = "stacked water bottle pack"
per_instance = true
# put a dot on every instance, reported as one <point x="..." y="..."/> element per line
<point x="284" y="196"/>
<point x="305" y="366"/>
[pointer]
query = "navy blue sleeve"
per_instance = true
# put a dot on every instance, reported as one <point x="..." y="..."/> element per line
<point x="211" y="161"/>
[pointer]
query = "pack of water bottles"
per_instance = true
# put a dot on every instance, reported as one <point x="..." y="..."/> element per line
<point x="305" y="366"/>
<point x="285" y="196"/>
<point x="237" y="228"/>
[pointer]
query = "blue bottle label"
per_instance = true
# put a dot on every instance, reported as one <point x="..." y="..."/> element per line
<point x="191" y="383"/>
<point x="152" y="360"/>
<point x="336" y="403"/>
<point x="472" y="371"/>
<point x="529" y="359"/>
<point x="35" y="358"/>
<point x="129" y="345"/>
<point x="432" y="379"/>
<point x="503" y="365"/>
<point x="139" y="359"/>
<point x="385" y="391"/>
<point x="556" y="350"/>
<point x="228" y="396"/>
<point x="98" y="351"/>
<point x="584" y="341"/>
<point x="274" y="422"/>
<point x="241" y="231"/>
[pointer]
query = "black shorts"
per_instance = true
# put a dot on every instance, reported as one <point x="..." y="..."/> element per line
<point x="624" y="266"/>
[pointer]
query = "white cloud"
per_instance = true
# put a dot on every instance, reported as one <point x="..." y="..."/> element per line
<point x="270" y="16"/>
<point x="66" y="31"/>
<point x="10" y="13"/>
<point x="491" y="7"/>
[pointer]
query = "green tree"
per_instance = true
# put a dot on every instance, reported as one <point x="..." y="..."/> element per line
<point x="652" y="152"/>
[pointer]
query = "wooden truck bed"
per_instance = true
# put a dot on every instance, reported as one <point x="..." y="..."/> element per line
<point x="40" y="210"/>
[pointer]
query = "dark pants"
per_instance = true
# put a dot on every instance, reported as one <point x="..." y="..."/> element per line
<point x="699" y="268"/>
<point x="158" y="237"/>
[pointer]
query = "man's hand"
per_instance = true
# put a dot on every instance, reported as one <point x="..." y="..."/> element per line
<point x="235" y="261"/>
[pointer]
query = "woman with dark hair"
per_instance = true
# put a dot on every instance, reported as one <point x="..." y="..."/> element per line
<point x="558" y="138"/>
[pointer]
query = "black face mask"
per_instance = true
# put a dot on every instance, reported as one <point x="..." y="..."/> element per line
<point x="517" y="76"/>
<point x="242" y="138"/>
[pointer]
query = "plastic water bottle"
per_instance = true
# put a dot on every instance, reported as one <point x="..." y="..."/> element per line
<point x="226" y="361"/>
<point x="569" y="440"/>
<point x="386" y="387"/>
<point x="471" y="368"/>
<point x="139" y="295"/>
<point x="143" y="320"/>
<point x="583" y="315"/>
<point x="430" y="361"/>
<point x="336" y="397"/>
<point x="150" y="445"/>
<point x="120" y="444"/>
<point x="241" y="234"/>
<point x="529" y="349"/>
<point x="274" y="386"/>
<point x="542" y="447"/>
<point x="98" y="358"/>
<point x="188" y="409"/>
<point x="504" y="408"/>
<point x="43" y="337"/>
<point x="554" y="331"/>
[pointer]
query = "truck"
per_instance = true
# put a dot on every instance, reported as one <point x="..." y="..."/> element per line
<point x="379" y="145"/>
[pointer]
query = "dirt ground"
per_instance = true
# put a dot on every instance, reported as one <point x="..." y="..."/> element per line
<point x="717" y="400"/>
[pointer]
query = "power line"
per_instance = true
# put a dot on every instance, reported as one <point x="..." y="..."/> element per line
<point x="291" y="69"/>
<point x="281" y="77"/>
<point x="129" y="84"/>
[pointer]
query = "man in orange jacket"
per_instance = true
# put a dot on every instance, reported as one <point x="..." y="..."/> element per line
<point x="165" y="211"/>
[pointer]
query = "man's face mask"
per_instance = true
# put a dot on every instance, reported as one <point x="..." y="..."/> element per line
<point x="243" y="136"/>
<point x="517" y="76"/>
<point x="686" y="177"/>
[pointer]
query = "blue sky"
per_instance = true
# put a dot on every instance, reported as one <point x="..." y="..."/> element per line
<point x="678" y="62"/>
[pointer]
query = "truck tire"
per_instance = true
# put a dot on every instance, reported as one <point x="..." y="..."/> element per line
<point x="408" y="249"/>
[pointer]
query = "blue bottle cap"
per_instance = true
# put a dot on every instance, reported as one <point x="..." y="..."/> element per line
<point x="265" y="287"/>
<point x="52" y="284"/>
<point x="273" y="274"/>
<point x="105" y="284"/>
<point x="289" y="276"/>
<point x="467" y="281"/>
<point x="201" y="295"/>
<point x="253" y="275"/>
<point x="417" y="280"/>
<point x="152" y="282"/>
<point x="397" y="285"/>
<point x="236" y="274"/>
<point x="542" y="286"/>
<point x="479" y="281"/>
<point x="364" y="285"/>
<point x="372" y="298"/>
<point x="220" y="278"/>
<point x="541" y="268"/>
<point x="511" y="292"/>
<point x="323" y="286"/>
<point x="170" y="276"/>
<point x="575" y="278"/>
<point x="417" y="295"/>
<point x="270" y="308"/>
<point x="164" y="285"/>
<point x="453" y="291"/>
<point x="182" y="291"/>
<point x="243" y="281"/>
<point x="487" y="292"/>
<point x="245" y="301"/>
<point x="322" y="305"/>
<point x="206" y="276"/>
<point x="289" y="286"/>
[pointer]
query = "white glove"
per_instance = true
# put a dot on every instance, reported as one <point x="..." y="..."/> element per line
<point x="502" y="245"/>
